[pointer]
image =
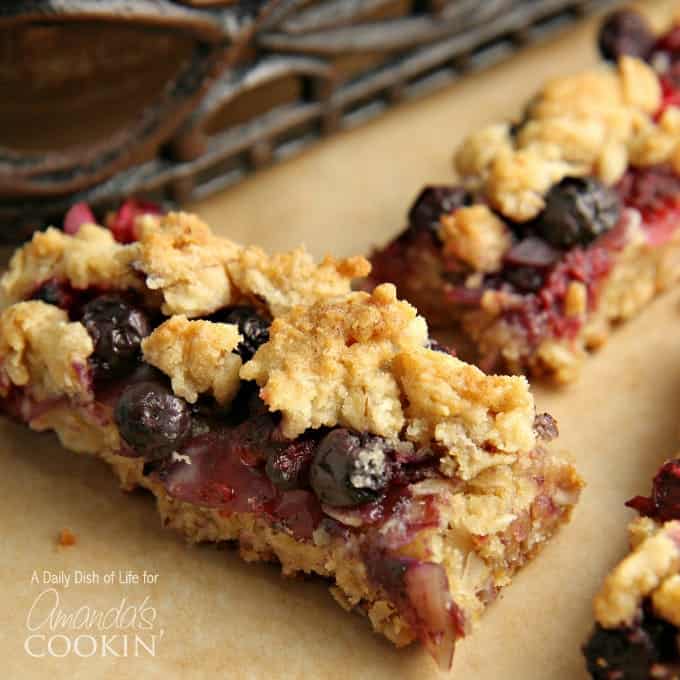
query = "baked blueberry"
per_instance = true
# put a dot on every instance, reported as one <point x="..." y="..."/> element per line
<point x="524" y="279"/>
<point x="117" y="329"/>
<point x="56" y="293"/>
<point x="289" y="468"/>
<point x="433" y="202"/>
<point x="577" y="211"/>
<point x="253" y="327"/>
<point x="636" y="652"/>
<point x="619" y="654"/>
<point x="625" y="32"/>
<point x="152" y="420"/>
<point x="349" y="469"/>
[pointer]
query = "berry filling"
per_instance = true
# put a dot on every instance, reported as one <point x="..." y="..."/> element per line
<point x="649" y="648"/>
<point x="574" y="240"/>
<point x="122" y="222"/>
<point x="664" y="503"/>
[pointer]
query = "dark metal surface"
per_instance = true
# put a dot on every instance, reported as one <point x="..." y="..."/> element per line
<point x="268" y="79"/>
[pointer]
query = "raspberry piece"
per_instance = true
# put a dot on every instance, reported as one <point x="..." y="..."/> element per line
<point x="664" y="503"/>
<point x="77" y="215"/>
<point x="122" y="222"/>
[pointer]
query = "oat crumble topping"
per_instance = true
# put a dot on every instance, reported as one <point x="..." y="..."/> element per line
<point x="593" y="123"/>
<point x="197" y="357"/>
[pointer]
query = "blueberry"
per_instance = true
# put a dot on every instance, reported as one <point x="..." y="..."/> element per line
<point x="625" y="32"/>
<point x="289" y="467"/>
<point x="524" y="279"/>
<point x="55" y="293"/>
<point x="254" y="328"/>
<point x="433" y="202"/>
<point x="619" y="653"/>
<point x="632" y="652"/>
<point x="577" y="211"/>
<point x="117" y="330"/>
<point x="349" y="469"/>
<point x="152" y="420"/>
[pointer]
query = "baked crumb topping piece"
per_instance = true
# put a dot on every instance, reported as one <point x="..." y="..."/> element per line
<point x="89" y="259"/>
<point x="182" y="259"/>
<point x="194" y="271"/>
<point x="197" y="356"/>
<point x="593" y="123"/>
<point x="476" y="236"/>
<point x="361" y="362"/>
<point x="284" y="280"/>
<point x="641" y="574"/>
<point x="331" y="363"/>
<point x="44" y="352"/>
<point x="199" y="273"/>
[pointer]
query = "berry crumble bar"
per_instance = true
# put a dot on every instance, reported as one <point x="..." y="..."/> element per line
<point x="637" y="634"/>
<point x="563" y="224"/>
<point x="262" y="401"/>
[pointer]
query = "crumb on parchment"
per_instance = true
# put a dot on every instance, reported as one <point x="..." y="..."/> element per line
<point x="67" y="538"/>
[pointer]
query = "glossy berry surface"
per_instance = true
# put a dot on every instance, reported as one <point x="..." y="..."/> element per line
<point x="152" y="420"/>
<point x="433" y="202"/>
<point x="123" y="223"/>
<point x="625" y="32"/>
<point x="577" y="211"/>
<point x="664" y="503"/>
<point x="349" y="469"/>
<point x="289" y="468"/>
<point x="57" y="293"/>
<point x="253" y="327"/>
<point x="637" y="652"/>
<point x="117" y="329"/>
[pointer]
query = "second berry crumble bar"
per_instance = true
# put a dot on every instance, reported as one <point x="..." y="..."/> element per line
<point x="563" y="224"/>
<point x="261" y="401"/>
<point x="637" y="634"/>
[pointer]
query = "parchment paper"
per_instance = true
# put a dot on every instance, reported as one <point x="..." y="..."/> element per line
<point x="218" y="617"/>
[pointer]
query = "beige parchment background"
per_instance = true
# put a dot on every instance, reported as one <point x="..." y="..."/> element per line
<point x="223" y="618"/>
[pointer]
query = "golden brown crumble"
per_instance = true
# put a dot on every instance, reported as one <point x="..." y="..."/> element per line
<point x="180" y="266"/>
<point x="330" y="363"/>
<point x="89" y="258"/>
<point x="643" y="573"/>
<point x="596" y="122"/>
<point x="284" y="280"/>
<point x="476" y="236"/>
<point x="197" y="357"/>
<point x="198" y="272"/>
<point x="185" y="261"/>
<point x="480" y="420"/>
<point x="666" y="600"/>
<point x="44" y="352"/>
<point x="360" y="362"/>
